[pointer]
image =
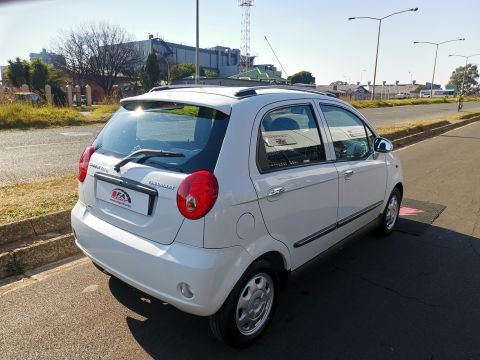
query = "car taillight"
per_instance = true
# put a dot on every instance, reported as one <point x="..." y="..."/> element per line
<point x="197" y="194"/>
<point x="83" y="164"/>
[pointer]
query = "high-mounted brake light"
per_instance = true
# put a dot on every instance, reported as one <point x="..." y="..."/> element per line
<point x="197" y="194"/>
<point x="84" y="161"/>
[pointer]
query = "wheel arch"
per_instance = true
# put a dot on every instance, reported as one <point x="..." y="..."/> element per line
<point x="279" y="263"/>
<point x="399" y="186"/>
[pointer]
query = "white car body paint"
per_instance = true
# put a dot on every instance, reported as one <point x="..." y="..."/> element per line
<point x="157" y="252"/>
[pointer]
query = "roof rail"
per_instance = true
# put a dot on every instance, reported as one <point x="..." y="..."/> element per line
<point x="171" y="87"/>
<point x="251" y="91"/>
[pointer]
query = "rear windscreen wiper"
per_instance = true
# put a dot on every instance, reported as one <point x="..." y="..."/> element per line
<point x="148" y="153"/>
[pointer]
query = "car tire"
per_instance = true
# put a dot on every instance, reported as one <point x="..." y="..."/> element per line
<point x="390" y="215"/>
<point x="249" y="308"/>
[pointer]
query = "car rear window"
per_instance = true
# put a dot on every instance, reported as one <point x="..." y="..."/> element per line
<point x="196" y="132"/>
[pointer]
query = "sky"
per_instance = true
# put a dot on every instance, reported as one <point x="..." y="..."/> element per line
<point x="312" y="35"/>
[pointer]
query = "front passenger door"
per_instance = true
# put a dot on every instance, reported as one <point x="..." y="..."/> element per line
<point x="362" y="173"/>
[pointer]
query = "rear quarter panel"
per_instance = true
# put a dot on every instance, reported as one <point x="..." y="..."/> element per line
<point x="235" y="219"/>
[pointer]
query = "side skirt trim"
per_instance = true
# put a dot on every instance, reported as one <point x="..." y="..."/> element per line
<point x="337" y="225"/>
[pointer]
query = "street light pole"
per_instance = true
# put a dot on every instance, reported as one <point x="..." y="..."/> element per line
<point x="436" y="53"/>
<point x="378" y="39"/>
<point x="376" y="58"/>
<point x="197" y="67"/>
<point x="465" y="68"/>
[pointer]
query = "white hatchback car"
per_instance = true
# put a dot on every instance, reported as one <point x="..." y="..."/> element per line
<point x="208" y="198"/>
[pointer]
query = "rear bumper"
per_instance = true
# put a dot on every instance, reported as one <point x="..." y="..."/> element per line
<point x="158" y="269"/>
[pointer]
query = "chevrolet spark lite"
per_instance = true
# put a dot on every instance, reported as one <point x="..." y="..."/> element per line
<point x="209" y="197"/>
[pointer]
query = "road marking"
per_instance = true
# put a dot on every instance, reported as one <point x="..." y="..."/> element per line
<point x="36" y="145"/>
<point x="33" y="276"/>
<point x="90" y="288"/>
<point x="406" y="211"/>
<point x="75" y="134"/>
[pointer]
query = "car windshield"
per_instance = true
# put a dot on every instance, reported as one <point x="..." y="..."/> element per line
<point x="194" y="132"/>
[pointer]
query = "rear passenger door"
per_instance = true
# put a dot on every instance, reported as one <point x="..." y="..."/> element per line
<point x="295" y="179"/>
<point x="362" y="173"/>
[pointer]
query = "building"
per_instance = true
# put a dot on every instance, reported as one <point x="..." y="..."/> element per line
<point x="220" y="59"/>
<point x="47" y="57"/>
<point x="349" y="91"/>
<point x="388" y="91"/>
<point x="265" y="73"/>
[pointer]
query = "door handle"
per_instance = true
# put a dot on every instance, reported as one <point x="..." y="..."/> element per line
<point x="276" y="191"/>
<point x="348" y="174"/>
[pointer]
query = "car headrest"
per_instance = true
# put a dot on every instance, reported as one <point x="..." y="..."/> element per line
<point x="284" y="123"/>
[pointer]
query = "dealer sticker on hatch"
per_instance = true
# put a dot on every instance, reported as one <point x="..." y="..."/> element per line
<point x="126" y="198"/>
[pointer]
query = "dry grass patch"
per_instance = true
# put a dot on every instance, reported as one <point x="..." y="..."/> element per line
<point x="25" y="200"/>
<point x="24" y="116"/>
<point x="404" y="129"/>
<point x="365" y="104"/>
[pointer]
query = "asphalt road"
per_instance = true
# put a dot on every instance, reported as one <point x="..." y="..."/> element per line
<point x="384" y="117"/>
<point x="401" y="297"/>
<point x="36" y="154"/>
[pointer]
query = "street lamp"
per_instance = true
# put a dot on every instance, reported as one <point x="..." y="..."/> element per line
<point x="378" y="38"/>
<point x="197" y="67"/>
<point x="465" y="69"/>
<point x="436" y="52"/>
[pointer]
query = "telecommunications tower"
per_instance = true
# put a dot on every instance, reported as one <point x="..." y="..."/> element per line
<point x="245" y="36"/>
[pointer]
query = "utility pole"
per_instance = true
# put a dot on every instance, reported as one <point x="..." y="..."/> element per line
<point x="197" y="50"/>
<point x="378" y="39"/>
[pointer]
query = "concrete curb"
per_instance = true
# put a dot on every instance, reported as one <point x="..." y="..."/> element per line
<point x="431" y="132"/>
<point x="5" y="260"/>
<point x="39" y="253"/>
<point x="38" y="225"/>
<point x="46" y="251"/>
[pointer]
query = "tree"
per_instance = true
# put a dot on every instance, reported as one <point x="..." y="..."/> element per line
<point x="180" y="71"/>
<point x="99" y="52"/>
<point x="209" y="73"/>
<point x="303" y="77"/>
<point x="38" y="75"/>
<point x="18" y="72"/>
<point x="471" y="77"/>
<point x="150" y="74"/>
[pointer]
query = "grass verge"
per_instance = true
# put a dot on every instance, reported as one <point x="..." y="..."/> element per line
<point x="409" y="128"/>
<point x="367" y="104"/>
<point x="25" y="200"/>
<point x="21" y="116"/>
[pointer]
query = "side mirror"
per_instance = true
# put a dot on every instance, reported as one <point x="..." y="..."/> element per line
<point x="382" y="145"/>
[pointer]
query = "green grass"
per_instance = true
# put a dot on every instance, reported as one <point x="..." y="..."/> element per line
<point x="22" y="116"/>
<point x="15" y="267"/>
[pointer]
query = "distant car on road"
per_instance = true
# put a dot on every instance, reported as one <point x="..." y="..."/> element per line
<point x="28" y="98"/>
<point x="83" y="99"/>
<point x="403" y="96"/>
<point x="208" y="198"/>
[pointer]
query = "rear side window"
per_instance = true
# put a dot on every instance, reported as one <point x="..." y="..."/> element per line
<point x="289" y="137"/>
<point x="349" y="134"/>
<point x="196" y="132"/>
